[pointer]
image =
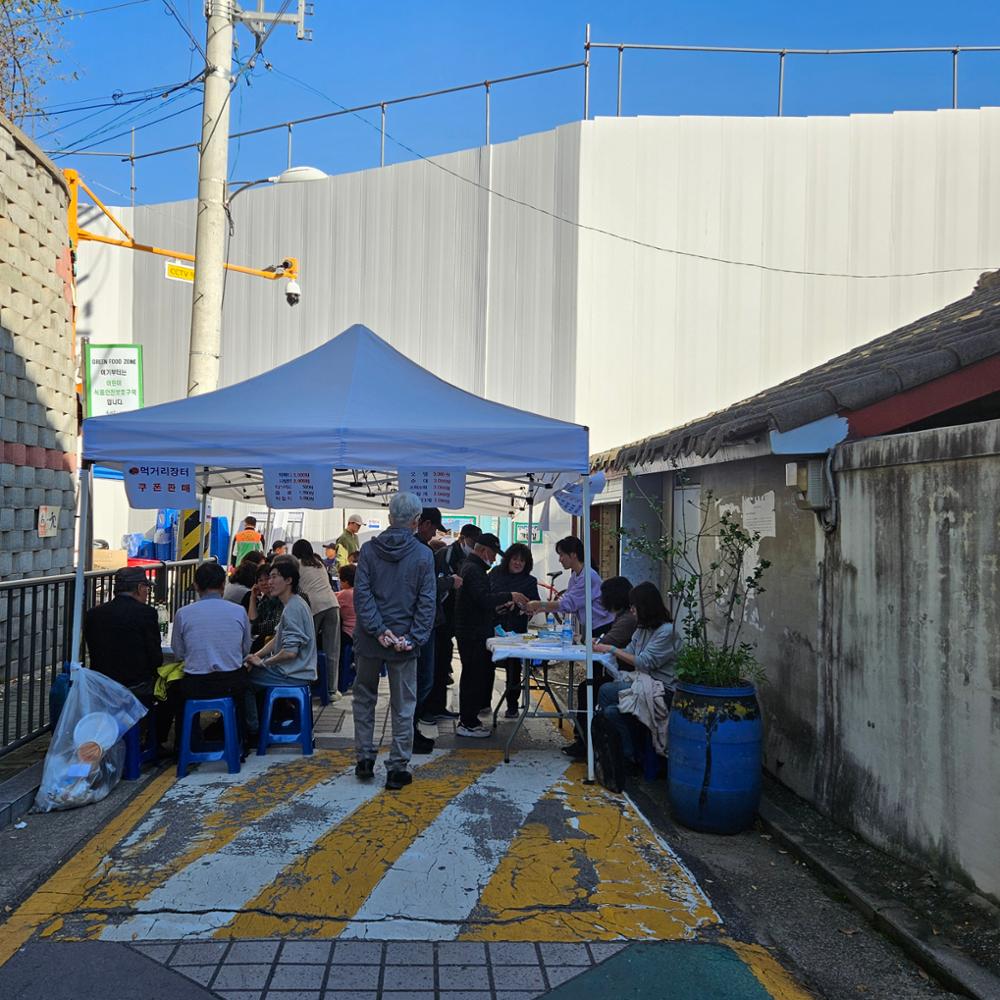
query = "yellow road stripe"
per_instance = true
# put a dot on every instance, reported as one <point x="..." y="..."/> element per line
<point x="66" y="889"/>
<point x="583" y="870"/>
<point x="768" y="972"/>
<point x="149" y="863"/>
<point x="318" y="895"/>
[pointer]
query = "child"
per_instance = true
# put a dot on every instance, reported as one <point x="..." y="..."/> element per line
<point x="345" y="598"/>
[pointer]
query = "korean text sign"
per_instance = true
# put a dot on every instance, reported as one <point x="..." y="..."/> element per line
<point x="305" y="487"/>
<point x="435" y="487"/>
<point x="159" y="484"/>
<point x="113" y="374"/>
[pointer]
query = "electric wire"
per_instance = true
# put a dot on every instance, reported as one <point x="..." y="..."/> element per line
<point x="175" y="14"/>
<point x="648" y="245"/>
<point x="72" y="14"/>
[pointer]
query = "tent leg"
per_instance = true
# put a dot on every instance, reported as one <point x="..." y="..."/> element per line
<point x="81" y="560"/>
<point x="588" y="623"/>
<point x="203" y="514"/>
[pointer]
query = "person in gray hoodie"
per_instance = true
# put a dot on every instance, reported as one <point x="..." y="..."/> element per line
<point x="395" y="599"/>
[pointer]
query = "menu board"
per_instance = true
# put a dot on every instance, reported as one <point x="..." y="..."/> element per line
<point x="296" y="488"/>
<point x="435" y="487"/>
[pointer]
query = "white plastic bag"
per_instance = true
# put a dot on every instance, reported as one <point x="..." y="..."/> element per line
<point x="85" y="758"/>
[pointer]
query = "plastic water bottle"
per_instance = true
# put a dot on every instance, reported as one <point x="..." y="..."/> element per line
<point x="567" y="635"/>
<point x="550" y="622"/>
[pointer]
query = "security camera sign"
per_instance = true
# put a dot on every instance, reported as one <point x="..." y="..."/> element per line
<point x="178" y="270"/>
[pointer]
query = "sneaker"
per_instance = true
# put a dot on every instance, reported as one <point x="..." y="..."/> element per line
<point x="512" y="713"/>
<point x="364" y="770"/>
<point x="577" y="750"/>
<point x="395" y="780"/>
<point x="476" y="732"/>
<point x="422" y="744"/>
<point x="335" y="696"/>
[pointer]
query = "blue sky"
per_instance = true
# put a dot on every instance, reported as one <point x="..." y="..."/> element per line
<point x="370" y="52"/>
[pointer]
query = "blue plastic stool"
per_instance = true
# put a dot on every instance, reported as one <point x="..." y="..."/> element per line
<point x="319" y="686"/>
<point x="230" y="750"/>
<point x="303" y="735"/>
<point x="650" y="760"/>
<point x="135" y="753"/>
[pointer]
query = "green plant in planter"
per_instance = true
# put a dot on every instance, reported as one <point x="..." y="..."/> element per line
<point x="713" y="598"/>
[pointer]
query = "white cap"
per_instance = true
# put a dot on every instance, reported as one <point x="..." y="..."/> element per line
<point x="355" y="519"/>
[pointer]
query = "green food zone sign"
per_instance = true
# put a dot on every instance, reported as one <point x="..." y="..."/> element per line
<point x="112" y="378"/>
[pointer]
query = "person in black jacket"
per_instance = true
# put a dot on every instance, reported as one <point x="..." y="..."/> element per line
<point x="475" y="618"/>
<point x="124" y="642"/>
<point x="514" y="575"/>
<point x="447" y="566"/>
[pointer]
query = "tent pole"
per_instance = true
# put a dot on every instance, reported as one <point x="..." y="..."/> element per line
<point x="588" y="622"/>
<point x="531" y="507"/>
<point x="203" y="513"/>
<point x="79" y="582"/>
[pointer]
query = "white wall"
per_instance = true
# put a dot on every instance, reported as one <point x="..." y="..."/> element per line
<point x="664" y="339"/>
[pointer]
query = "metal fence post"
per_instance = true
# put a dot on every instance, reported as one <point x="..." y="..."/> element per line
<point x="621" y="59"/>
<point x="781" y="83"/>
<point x="954" y="77"/>
<point x="486" y="84"/>
<point x="586" y="75"/>
<point x="381" y="153"/>
<point x="289" y="145"/>
<point x="131" y="160"/>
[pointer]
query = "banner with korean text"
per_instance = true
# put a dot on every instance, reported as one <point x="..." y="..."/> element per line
<point x="159" y="484"/>
<point x="295" y="488"/>
<point x="435" y="487"/>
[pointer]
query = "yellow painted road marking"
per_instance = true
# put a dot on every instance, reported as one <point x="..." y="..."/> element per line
<point x="318" y="895"/>
<point x="768" y="971"/>
<point x="67" y="888"/>
<point x="587" y="868"/>
<point x="150" y="862"/>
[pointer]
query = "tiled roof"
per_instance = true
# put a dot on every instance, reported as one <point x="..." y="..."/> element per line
<point x="961" y="334"/>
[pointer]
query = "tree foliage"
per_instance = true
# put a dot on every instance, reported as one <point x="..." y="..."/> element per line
<point x="30" y="38"/>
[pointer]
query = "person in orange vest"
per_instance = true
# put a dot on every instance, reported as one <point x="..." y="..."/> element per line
<point x="247" y="540"/>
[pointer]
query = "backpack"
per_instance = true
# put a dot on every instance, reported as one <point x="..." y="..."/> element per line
<point x="609" y="759"/>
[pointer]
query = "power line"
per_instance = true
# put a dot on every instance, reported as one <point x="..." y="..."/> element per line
<point x="118" y="135"/>
<point x="555" y="216"/>
<point x="175" y="14"/>
<point x="69" y="15"/>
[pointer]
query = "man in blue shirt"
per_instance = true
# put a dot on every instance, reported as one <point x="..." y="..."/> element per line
<point x="212" y="637"/>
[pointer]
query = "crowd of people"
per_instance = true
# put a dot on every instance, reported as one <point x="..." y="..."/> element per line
<point x="398" y="605"/>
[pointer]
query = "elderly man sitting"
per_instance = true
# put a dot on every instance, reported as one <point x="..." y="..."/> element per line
<point x="394" y="599"/>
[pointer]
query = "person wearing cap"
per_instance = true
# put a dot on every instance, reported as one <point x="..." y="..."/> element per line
<point x="330" y="559"/>
<point x="428" y="525"/>
<point x="123" y="640"/>
<point x="348" y="543"/>
<point x="475" y="618"/>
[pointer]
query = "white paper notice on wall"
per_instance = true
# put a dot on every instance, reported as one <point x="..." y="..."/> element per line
<point x="758" y="514"/>
<point x="159" y="484"/>
<point x="307" y="487"/>
<point x="435" y="487"/>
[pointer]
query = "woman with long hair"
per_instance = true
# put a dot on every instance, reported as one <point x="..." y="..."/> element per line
<point x="653" y="650"/>
<point x="315" y="583"/>
<point x="513" y="575"/>
<point x="290" y="657"/>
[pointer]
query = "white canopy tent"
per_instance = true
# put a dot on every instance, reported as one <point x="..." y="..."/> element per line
<point x="388" y="413"/>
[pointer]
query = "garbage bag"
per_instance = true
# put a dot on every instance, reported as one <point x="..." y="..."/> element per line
<point x="86" y="756"/>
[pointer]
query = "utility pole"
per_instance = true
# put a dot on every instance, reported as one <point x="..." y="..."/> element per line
<point x="213" y="168"/>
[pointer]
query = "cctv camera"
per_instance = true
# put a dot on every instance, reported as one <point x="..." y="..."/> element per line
<point x="293" y="293"/>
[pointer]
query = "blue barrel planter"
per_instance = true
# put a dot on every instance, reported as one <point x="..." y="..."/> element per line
<point x="715" y="757"/>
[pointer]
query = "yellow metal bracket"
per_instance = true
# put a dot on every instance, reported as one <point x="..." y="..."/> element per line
<point x="288" y="268"/>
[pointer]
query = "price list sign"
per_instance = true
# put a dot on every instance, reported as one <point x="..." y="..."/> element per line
<point x="303" y="487"/>
<point x="435" y="487"/>
<point x="156" y="484"/>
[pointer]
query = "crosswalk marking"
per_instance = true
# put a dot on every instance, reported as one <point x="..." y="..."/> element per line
<point x="188" y="904"/>
<point x="434" y="886"/>
<point x="326" y="886"/>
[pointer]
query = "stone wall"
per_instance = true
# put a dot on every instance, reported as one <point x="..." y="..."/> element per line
<point x="38" y="409"/>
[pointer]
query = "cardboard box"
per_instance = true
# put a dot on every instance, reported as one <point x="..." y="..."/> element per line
<point x="110" y="558"/>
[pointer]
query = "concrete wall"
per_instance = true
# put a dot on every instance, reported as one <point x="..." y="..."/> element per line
<point x="38" y="416"/>
<point x="912" y="679"/>
<point x="882" y="701"/>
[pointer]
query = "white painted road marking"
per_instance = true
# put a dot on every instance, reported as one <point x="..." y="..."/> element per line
<point x="433" y="888"/>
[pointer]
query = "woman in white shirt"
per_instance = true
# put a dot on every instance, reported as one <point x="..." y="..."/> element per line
<point x="314" y="584"/>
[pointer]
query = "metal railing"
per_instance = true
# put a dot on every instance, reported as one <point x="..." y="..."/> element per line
<point x="782" y="54"/>
<point x="35" y="637"/>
